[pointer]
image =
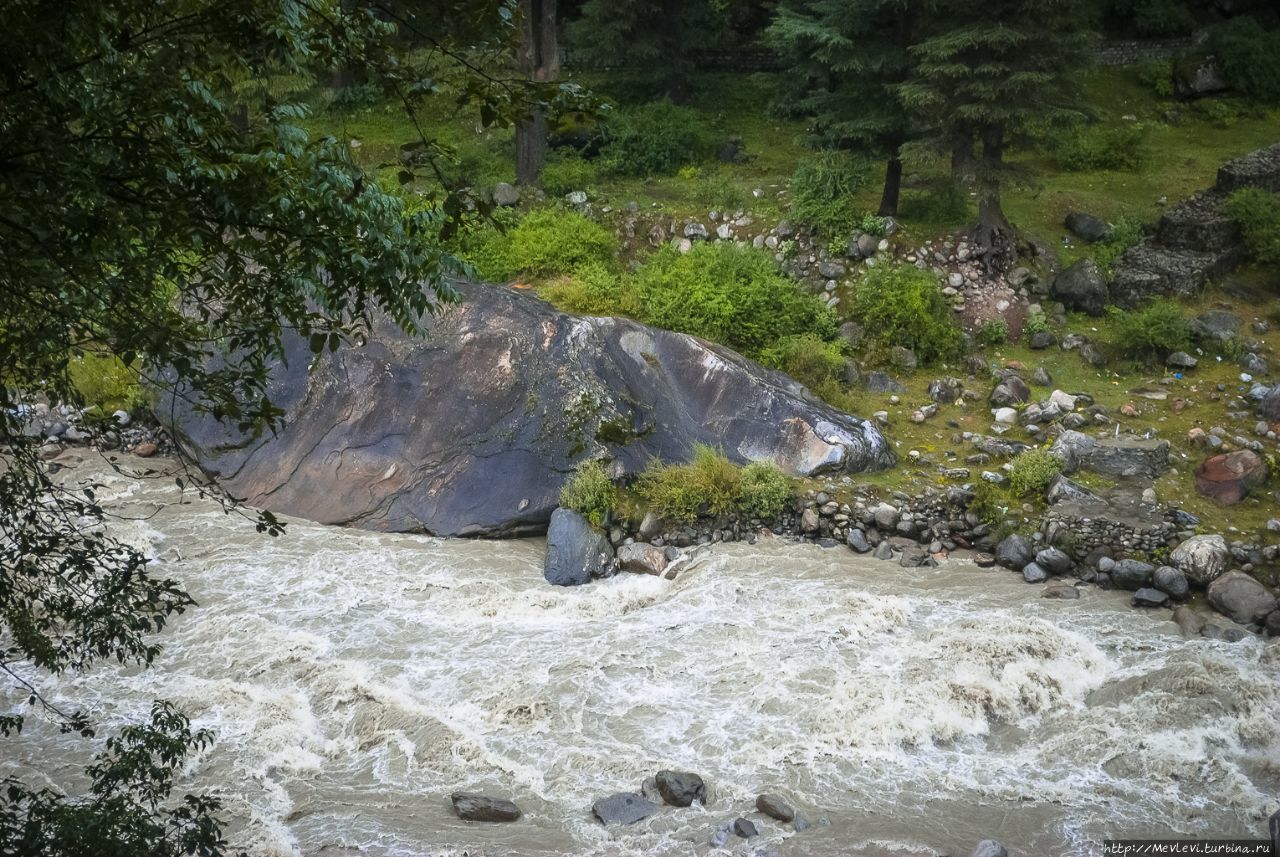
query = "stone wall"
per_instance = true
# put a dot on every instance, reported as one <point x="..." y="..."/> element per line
<point x="1129" y="51"/>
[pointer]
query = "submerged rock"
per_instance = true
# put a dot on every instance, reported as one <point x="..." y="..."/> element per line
<point x="472" y="428"/>
<point x="473" y="807"/>
<point x="775" y="807"/>
<point x="623" y="808"/>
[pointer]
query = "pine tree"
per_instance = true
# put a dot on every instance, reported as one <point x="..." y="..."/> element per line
<point x="846" y="59"/>
<point x="654" y="38"/>
<point x="990" y="73"/>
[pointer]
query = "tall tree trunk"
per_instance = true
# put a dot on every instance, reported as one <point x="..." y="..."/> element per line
<point x="962" y="159"/>
<point x="993" y="237"/>
<point x="892" y="187"/>
<point x="539" y="59"/>
<point x="671" y="26"/>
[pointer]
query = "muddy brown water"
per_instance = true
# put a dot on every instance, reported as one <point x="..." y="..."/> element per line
<point x="355" y="679"/>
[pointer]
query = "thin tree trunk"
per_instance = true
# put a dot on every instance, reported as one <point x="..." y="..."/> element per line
<point x="539" y="58"/>
<point x="992" y="236"/>
<point x="892" y="188"/>
<point x="677" y="77"/>
<point x="962" y="159"/>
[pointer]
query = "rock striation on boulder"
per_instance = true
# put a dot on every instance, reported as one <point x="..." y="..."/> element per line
<point x="471" y="428"/>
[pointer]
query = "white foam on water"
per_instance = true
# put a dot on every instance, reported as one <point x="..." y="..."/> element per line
<point x="355" y="679"/>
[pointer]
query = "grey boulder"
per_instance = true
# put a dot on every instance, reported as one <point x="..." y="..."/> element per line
<point x="1171" y="581"/>
<point x="775" y="807"/>
<point x="471" y="428"/>
<point x="1239" y="596"/>
<point x="576" y="551"/>
<point x="623" y="808"/>
<point x="1121" y="456"/>
<point x="641" y="558"/>
<point x="1014" y="552"/>
<point x="681" y="788"/>
<point x="1054" y="561"/>
<point x="1132" y="574"/>
<point x="1083" y="287"/>
<point x="1087" y="227"/>
<point x="1201" y="558"/>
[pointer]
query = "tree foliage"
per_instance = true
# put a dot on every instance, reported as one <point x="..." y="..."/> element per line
<point x="144" y="215"/>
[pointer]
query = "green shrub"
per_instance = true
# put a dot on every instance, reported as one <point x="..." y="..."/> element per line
<point x="1037" y="322"/>
<point x="105" y="382"/>
<point x="593" y="289"/>
<point x="1126" y="232"/>
<point x="655" y="139"/>
<point x="1219" y="112"/>
<point x="709" y="483"/>
<point x="1092" y="147"/>
<point x="764" y="491"/>
<point x="566" y="172"/>
<point x="589" y="492"/>
<point x="992" y="333"/>
<point x="1249" y="57"/>
<point x="729" y="294"/>
<point x="1032" y="471"/>
<point x="808" y="358"/>
<point x="1258" y="213"/>
<point x="720" y="191"/>
<point x="1152" y="332"/>
<point x="823" y="190"/>
<point x="551" y="241"/>
<point x="1157" y="74"/>
<point x="485" y="245"/>
<point x="902" y="305"/>
<point x="874" y="224"/>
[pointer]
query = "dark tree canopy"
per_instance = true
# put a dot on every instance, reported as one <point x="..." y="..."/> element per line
<point x="145" y="213"/>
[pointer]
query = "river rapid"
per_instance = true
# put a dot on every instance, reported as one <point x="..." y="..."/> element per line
<point x="355" y="679"/>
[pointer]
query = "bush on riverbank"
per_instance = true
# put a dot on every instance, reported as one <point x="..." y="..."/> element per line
<point x="902" y="306"/>
<point x="709" y="483"/>
<point x="1032" y="471"/>
<point x="590" y="492"/>
<point x="105" y="382"/>
<point x="1151" y="333"/>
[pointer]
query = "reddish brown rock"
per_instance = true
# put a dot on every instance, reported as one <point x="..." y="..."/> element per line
<point x="145" y="450"/>
<point x="1228" y="477"/>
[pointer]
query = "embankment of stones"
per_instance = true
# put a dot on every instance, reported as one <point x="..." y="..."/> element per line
<point x="1196" y="241"/>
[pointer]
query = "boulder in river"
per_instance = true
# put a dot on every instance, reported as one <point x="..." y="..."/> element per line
<point x="471" y="428"/>
<point x="474" y="807"/>
<point x="1239" y="596"/>
<point x="681" y="788"/>
<point x="1014" y="552"/>
<point x="1132" y="574"/>
<point x="623" y="808"/>
<point x="1148" y="597"/>
<point x="744" y="828"/>
<point x="641" y="558"/>
<point x="989" y="848"/>
<point x="576" y="551"/>
<point x="775" y="807"/>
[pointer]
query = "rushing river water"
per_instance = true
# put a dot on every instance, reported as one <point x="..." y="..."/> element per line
<point x="355" y="679"/>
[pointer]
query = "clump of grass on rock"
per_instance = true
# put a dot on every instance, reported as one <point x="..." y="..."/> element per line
<point x="589" y="492"/>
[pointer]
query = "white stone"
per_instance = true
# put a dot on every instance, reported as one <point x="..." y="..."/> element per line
<point x="1008" y="416"/>
<point x="1065" y="401"/>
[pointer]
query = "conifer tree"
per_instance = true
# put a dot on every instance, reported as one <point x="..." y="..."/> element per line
<point x="846" y="60"/>
<point x="991" y="73"/>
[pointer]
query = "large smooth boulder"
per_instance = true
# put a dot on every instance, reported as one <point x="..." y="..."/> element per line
<point x="775" y="807"/>
<point x="1228" y="478"/>
<point x="576" y="551"/>
<point x="1202" y="559"/>
<point x="1132" y="574"/>
<point x="471" y="428"/>
<point x="1087" y="227"/>
<point x="1082" y="286"/>
<point x="1239" y="596"/>
<point x="1119" y="456"/>
<point x="1015" y="552"/>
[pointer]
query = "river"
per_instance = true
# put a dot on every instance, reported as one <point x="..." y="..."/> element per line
<point x="355" y="679"/>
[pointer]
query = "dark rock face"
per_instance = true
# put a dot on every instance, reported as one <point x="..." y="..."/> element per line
<point x="879" y="382"/>
<point x="623" y="808"/>
<point x="775" y="807"/>
<point x="1241" y="597"/>
<point x="1171" y="581"/>
<point x="1033" y="573"/>
<point x="1054" y="561"/>
<point x="1011" y="390"/>
<point x="472" y="428"/>
<point x="1113" y="456"/>
<point x="857" y="540"/>
<point x="1269" y="407"/>
<point x="1086" y="226"/>
<point x="1216" y="324"/>
<point x="576" y="552"/>
<point x="1228" y="478"/>
<point x="1082" y="287"/>
<point x="1064" y="490"/>
<point x="1132" y="574"/>
<point x="473" y="807"/>
<point x="1147" y="597"/>
<point x="744" y="828"/>
<point x="1014" y="553"/>
<point x="681" y="788"/>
